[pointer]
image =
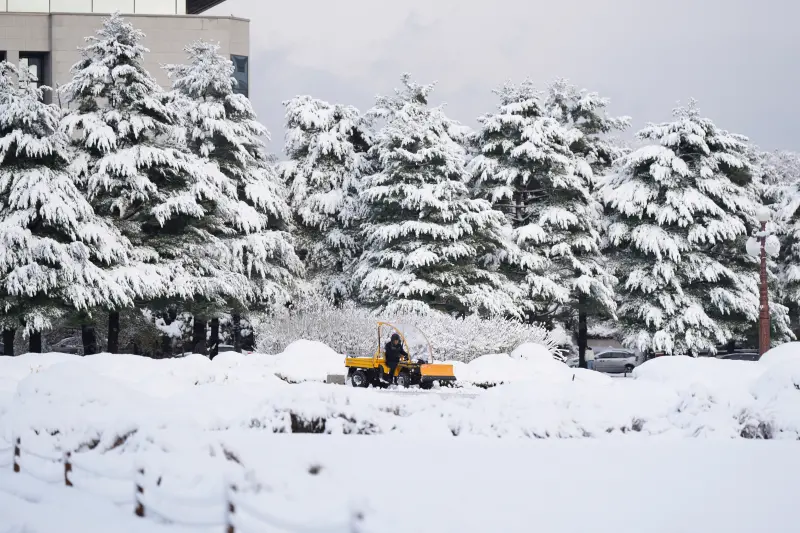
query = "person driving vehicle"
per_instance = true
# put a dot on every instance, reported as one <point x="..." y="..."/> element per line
<point x="394" y="352"/>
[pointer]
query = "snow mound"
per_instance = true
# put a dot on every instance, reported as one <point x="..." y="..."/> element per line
<point x="528" y="362"/>
<point x="779" y="377"/>
<point x="105" y="399"/>
<point x="531" y="351"/>
<point x="305" y="360"/>
<point x="779" y="354"/>
<point x="684" y="371"/>
<point x="490" y="370"/>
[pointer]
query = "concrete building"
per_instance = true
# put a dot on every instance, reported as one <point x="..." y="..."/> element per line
<point x="47" y="33"/>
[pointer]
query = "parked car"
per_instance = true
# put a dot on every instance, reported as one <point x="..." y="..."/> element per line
<point x="70" y="345"/>
<point x="739" y="356"/>
<point x="616" y="361"/>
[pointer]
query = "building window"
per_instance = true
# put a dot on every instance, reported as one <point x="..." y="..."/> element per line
<point x="3" y="55"/>
<point x="241" y="74"/>
<point x="37" y="62"/>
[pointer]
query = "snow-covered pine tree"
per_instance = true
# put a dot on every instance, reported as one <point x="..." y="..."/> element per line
<point x="527" y="169"/>
<point x="55" y="253"/>
<point x="781" y="192"/>
<point x="761" y="184"/>
<point x="676" y="204"/>
<point x="428" y="245"/>
<point x="327" y="147"/>
<point x="223" y="128"/>
<point x="587" y="112"/>
<point x="163" y="198"/>
<point x="501" y="174"/>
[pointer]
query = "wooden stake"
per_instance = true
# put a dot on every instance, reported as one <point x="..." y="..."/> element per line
<point x="16" y="455"/>
<point x="231" y="510"/>
<point x="67" y="469"/>
<point x="139" y="511"/>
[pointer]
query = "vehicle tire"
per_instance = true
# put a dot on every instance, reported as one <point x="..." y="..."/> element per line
<point x="403" y="380"/>
<point x="359" y="379"/>
<point x="629" y="369"/>
<point x="426" y="385"/>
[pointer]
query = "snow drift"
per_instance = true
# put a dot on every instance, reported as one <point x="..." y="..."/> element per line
<point x="97" y="401"/>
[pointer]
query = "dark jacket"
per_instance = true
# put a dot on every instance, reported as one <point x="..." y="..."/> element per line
<point x="393" y="353"/>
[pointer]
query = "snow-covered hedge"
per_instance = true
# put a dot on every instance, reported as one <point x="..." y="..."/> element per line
<point x="353" y="330"/>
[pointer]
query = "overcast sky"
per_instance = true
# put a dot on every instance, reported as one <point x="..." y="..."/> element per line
<point x="739" y="58"/>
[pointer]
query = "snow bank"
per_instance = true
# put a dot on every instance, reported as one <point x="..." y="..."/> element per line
<point x="307" y="361"/>
<point x="105" y="402"/>
<point x="780" y="354"/>
<point x="529" y="362"/>
<point x="684" y="371"/>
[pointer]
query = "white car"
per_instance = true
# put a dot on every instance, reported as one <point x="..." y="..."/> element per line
<point x="611" y="360"/>
<point x="616" y="361"/>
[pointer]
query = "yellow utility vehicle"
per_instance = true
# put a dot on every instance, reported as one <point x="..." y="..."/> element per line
<point x="416" y="369"/>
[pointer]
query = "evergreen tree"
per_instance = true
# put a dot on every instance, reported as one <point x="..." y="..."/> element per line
<point x="327" y="146"/>
<point x="761" y="186"/>
<point x="677" y="204"/>
<point x="781" y="192"/>
<point x="164" y="199"/>
<point x="429" y="246"/>
<point x="528" y="169"/>
<point x="586" y="112"/>
<point x="56" y="255"/>
<point x="222" y="127"/>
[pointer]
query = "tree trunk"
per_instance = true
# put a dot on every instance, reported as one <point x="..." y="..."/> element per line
<point x="249" y="341"/>
<point x="731" y="346"/>
<point x="8" y="341"/>
<point x="583" y="335"/>
<point x="213" y="348"/>
<point x="89" y="338"/>
<point x="167" y="342"/>
<point x="199" y="336"/>
<point x="237" y="332"/>
<point x="166" y="345"/>
<point x="113" y="332"/>
<point x="36" y="342"/>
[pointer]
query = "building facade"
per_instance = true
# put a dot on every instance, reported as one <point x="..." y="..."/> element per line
<point x="46" y="34"/>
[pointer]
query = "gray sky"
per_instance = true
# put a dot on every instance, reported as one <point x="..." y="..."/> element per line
<point x="739" y="58"/>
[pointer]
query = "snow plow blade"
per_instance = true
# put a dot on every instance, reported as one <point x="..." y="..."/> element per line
<point x="437" y="372"/>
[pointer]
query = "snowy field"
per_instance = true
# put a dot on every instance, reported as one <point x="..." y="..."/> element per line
<point x="404" y="484"/>
<point x="579" y="450"/>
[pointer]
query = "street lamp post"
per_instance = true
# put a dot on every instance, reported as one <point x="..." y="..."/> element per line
<point x="759" y="246"/>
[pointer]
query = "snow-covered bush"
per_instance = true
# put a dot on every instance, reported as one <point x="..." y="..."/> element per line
<point x="353" y="330"/>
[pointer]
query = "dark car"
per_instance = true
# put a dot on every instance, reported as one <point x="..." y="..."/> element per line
<point x="70" y="345"/>
<point x="740" y="356"/>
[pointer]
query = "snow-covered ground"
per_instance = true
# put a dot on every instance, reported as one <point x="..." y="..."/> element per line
<point x="105" y="396"/>
<point x="427" y="465"/>
<point x="403" y="484"/>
